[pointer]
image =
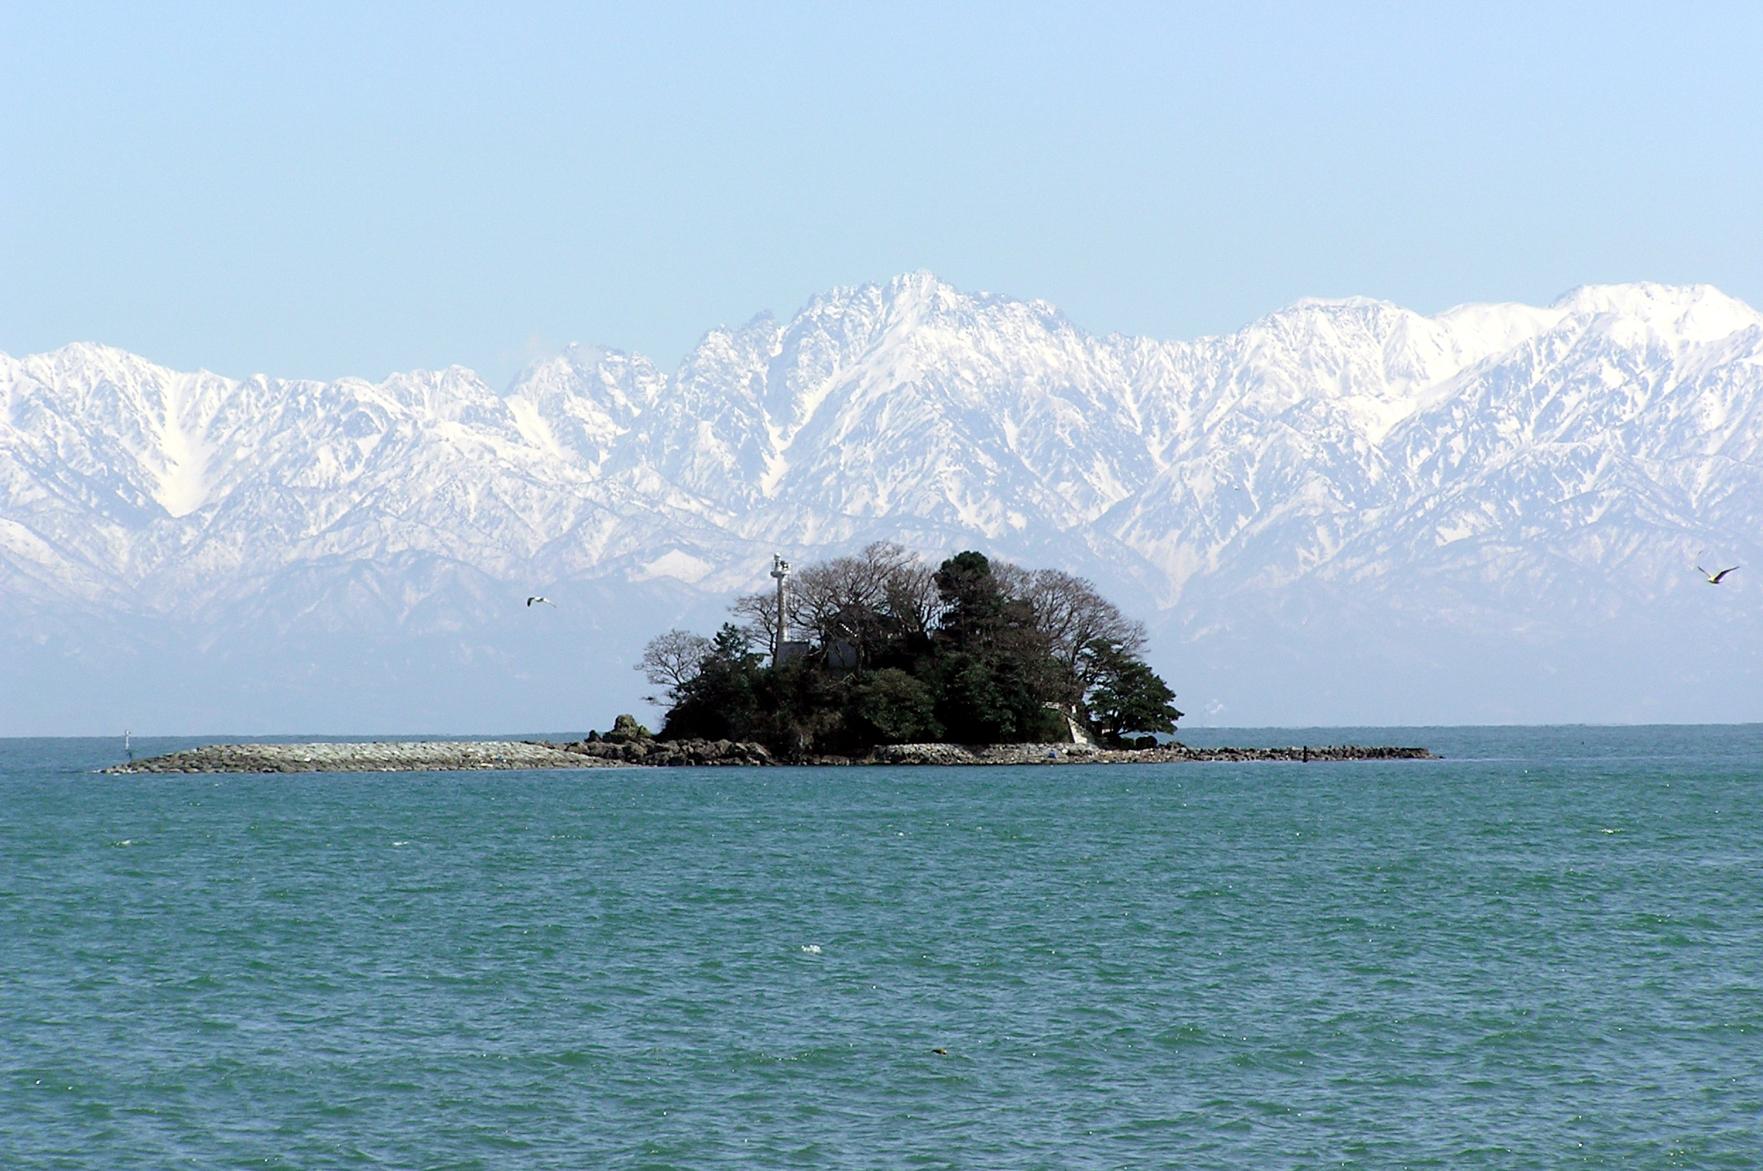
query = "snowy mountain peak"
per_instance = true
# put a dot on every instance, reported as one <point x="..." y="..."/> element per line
<point x="1680" y="313"/>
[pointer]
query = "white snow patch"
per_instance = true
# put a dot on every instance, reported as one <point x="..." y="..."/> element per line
<point x="533" y="427"/>
<point x="675" y="563"/>
<point x="1376" y="417"/>
<point x="183" y="479"/>
<point x="777" y="464"/>
<point x="1482" y="330"/>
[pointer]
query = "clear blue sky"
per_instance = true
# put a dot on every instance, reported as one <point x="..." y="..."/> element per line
<point x="321" y="190"/>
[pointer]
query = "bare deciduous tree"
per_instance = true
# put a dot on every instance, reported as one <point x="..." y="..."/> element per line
<point x="757" y="615"/>
<point x="673" y="659"/>
<point x="880" y="594"/>
<point x="1073" y="615"/>
<point x="914" y="604"/>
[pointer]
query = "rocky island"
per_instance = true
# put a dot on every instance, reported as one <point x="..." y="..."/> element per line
<point x="483" y="755"/>
<point x="969" y="663"/>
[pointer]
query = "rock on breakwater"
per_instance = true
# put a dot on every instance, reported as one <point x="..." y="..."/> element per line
<point x="649" y="751"/>
<point x="362" y="757"/>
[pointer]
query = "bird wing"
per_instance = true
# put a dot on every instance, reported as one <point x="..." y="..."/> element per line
<point x="1716" y="578"/>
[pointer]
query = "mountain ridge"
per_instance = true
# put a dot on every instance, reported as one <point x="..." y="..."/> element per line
<point x="1544" y="473"/>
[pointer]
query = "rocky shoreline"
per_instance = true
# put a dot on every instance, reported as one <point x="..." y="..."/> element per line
<point x="482" y="755"/>
<point x="1166" y="754"/>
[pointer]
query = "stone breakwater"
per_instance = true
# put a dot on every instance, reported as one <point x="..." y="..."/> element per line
<point x="1166" y="754"/>
<point x="478" y="755"/>
<point x="360" y="757"/>
<point x="727" y="752"/>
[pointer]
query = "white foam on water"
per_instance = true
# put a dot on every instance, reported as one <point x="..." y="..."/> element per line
<point x="812" y="949"/>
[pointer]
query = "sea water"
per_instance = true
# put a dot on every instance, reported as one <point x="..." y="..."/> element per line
<point x="1543" y="951"/>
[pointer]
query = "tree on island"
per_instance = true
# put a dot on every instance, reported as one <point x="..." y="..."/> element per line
<point x="1125" y="695"/>
<point x="672" y="660"/>
<point x="973" y="652"/>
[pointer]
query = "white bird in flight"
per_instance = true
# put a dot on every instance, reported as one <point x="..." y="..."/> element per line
<point x="1714" y="578"/>
<point x="539" y="599"/>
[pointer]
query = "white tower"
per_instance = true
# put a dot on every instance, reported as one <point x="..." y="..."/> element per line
<point x="780" y="569"/>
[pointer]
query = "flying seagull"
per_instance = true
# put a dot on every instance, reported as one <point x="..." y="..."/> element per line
<point x="1714" y="578"/>
<point x="539" y="600"/>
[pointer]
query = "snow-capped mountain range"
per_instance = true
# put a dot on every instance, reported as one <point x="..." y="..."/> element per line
<point x="1344" y="512"/>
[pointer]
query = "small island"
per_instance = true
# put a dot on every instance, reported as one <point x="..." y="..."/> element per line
<point x="860" y="652"/>
<point x="878" y="658"/>
<point x="644" y="751"/>
<point x="874" y="659"/>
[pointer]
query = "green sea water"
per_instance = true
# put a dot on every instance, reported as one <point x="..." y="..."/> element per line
<point x="1543" y="951"/>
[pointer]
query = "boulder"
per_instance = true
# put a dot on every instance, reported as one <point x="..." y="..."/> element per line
<point x="626" y="730"/>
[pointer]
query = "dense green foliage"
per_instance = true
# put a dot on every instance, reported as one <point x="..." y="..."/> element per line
<point x="971" y="652"/>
